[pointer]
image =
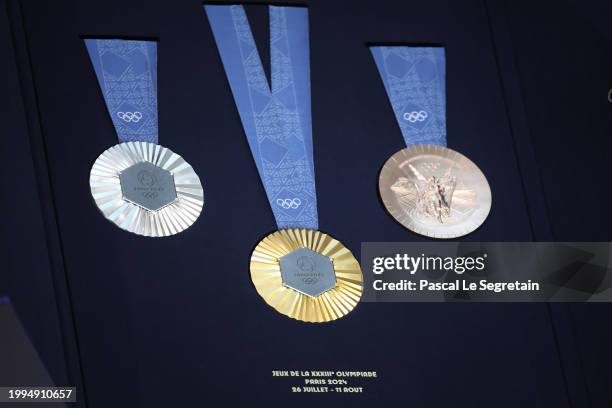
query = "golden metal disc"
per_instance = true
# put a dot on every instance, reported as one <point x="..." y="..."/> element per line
<point x="306" y="275"/>
<point x="146" y="189"/>
<point x="435" y="191"/>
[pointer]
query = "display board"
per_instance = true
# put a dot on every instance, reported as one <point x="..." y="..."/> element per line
<point x="177" y="321"/>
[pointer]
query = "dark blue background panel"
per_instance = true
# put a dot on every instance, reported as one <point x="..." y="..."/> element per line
<point x="155" y="316"/>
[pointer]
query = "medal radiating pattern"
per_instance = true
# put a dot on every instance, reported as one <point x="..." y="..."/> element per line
<point x="173" y="213"/>
<point x="333" y="303"/>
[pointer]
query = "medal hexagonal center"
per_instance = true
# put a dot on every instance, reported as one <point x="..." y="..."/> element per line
<point x="307" y="272"/>
<point x="148" y="186"/>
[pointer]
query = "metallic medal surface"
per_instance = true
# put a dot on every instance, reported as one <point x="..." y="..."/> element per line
<point x="306" y="275"/>
<point x="435" y="191"/>
<point x="146" y="189"/>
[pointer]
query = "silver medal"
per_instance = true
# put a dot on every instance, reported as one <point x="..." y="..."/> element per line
<point x="146" y="189"/>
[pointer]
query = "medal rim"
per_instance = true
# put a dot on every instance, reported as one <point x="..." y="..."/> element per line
<point x="337" y="302"/>
<point x="172" y="218"/>
<point x="474" y="221"/>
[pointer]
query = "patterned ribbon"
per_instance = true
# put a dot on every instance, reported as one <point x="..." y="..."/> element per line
<point x="277" y="118"/>
<point x="414" y="78"/>
<point x="127" y="74"/>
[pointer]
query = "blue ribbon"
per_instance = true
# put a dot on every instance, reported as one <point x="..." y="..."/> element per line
<point x="277" y="118"/>
<point x="414" y="78"/>
<point x="127" y="74"/>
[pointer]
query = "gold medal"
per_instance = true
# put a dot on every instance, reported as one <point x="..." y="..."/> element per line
<point x="306" y="275"/>
<point x="435" y="191"/>
<point x="146" y="189"/>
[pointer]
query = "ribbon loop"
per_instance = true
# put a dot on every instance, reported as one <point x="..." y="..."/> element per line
<point x="414" y="79"/>
<point x="127" y="74"/>
<point x="276" y="117"/>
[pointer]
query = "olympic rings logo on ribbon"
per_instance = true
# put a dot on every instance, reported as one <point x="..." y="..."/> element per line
<point x="289" y="203"/>
<point x="130" y="116"/>
<point x="415" y="116"/>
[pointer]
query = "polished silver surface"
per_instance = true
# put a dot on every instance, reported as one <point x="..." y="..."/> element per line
<point x="435" y="191"/>
<point x="146" y="189"/>
<point x="307" y="272"/>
